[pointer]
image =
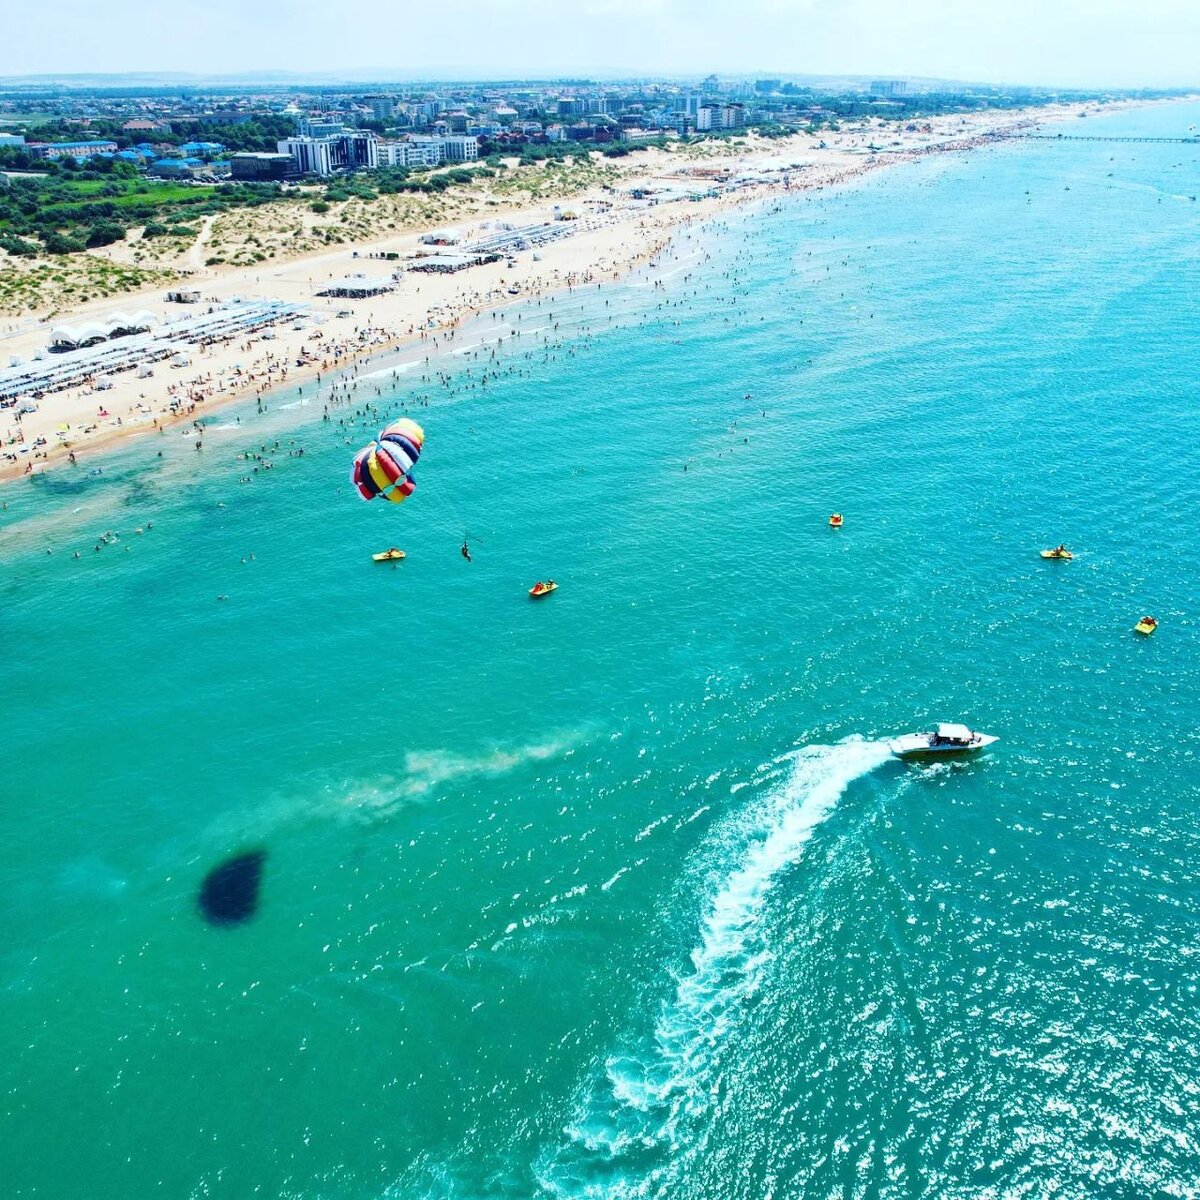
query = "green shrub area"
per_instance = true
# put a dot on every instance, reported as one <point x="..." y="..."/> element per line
<point x="73" y="208"/>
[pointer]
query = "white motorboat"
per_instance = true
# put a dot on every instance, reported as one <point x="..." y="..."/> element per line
<point x="945" y="739"/>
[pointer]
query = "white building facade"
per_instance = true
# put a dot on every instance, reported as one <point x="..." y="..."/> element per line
<point x="720" y="116"/>
<point x="326" y="155"/>
<point x="460" y="149"/>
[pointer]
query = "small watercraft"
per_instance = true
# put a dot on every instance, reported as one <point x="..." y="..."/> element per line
<point x="945" y="739"/>
<point x="1146" y="625"/>
<point x="836" y="521"/>
<point x="543" y="589"/>
<point x="1057" y="552"/>
<point x="388" y="555"/>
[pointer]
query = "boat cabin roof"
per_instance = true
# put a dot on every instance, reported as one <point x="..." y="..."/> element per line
<point x="954" y="733"/>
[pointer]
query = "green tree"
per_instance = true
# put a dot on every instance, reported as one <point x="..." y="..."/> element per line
<point x="105" y="233"/>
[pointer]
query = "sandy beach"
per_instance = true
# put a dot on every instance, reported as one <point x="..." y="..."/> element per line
<point x="612" y="235"/>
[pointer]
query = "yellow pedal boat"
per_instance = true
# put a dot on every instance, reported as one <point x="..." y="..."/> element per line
<point x="836" y="521"/>
<point x="543" y="589"/>
<point x="1146" y="625"/>
<point x="388" y="555"/>
<point x="1057" y="552"/>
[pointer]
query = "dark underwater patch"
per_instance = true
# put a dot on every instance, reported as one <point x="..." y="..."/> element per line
<point x="229" y="893"/>
<point x="60" y="483"/>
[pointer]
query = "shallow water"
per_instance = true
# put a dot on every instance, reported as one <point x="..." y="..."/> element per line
<point x="617" y="893"/>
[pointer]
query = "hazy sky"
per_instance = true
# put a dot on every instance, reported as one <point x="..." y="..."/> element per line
<point x="1086" y="42"/>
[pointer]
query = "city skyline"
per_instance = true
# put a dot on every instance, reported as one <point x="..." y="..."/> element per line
<point x="1068" y="43"/>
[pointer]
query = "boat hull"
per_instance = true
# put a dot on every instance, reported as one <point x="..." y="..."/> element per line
<point x="918" y="746"/>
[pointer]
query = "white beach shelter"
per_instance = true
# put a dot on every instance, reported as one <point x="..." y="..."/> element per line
<point x="90" y="334"/>
<point x="119" y="322"/>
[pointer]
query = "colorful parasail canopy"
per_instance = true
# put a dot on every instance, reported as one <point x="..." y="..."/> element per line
<point x="383" y="468"/>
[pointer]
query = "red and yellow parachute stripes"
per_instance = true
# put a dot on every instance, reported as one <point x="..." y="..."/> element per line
<point x="382" y="468"/>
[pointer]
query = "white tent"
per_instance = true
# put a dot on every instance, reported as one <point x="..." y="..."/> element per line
<point x="90" y="334"/>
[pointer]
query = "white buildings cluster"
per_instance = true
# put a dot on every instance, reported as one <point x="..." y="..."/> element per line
<point x="720" y="116"/>
<point x="325" y="148"/>
<point x="429" y="151"/>
<point x="325" y="155"/>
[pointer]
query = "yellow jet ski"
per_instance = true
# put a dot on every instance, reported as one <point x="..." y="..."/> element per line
<point x="388" y="555"/>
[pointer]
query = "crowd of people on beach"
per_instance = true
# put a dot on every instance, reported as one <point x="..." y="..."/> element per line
<point x="269" y="365"/>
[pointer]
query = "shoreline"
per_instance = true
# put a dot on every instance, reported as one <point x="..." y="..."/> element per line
<point x="613" y="243"/>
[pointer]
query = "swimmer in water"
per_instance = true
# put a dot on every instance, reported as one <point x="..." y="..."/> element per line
<point x="465" y="552"/>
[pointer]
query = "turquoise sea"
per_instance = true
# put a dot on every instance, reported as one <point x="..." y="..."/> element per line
<point x="619" y="894"/>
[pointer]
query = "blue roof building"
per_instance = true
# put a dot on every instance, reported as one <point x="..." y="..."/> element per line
<point x="76" y="150"/>
<point x="176" y="167"/>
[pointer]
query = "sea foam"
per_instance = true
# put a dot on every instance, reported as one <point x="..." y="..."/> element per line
<point x="637" y="1124"/>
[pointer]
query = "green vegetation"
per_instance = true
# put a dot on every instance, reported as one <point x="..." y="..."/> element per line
<point x="73" y="208"/>
<point x="58" y="283"/>
<point x="262" y="133"/>
<point x="389" y="181"/>
<point x="533" y="153"/>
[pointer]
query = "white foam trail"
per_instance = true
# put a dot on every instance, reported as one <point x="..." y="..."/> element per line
<point x="652" y="1098"/>
<point x="726" y="964"/>
<point x="426" y="771"/>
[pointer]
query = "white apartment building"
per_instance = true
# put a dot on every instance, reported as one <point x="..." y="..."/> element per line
<point x="426" y="151"/>
<point x="460" y="149"/>
<point x="720" y="116"/>
<point x="325" y="155"/>
<point x="410" y="153"/>
<point x="314" y="156"/>
<point x="310" y="128"/>
<point x="393" y="154"/>
<point x="362" y="149"/>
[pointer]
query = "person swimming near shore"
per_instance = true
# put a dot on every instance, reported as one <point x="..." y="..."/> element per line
<point x="465" y="551"/>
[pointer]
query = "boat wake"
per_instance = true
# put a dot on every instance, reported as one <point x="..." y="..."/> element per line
<point x="646" y="1115"/>
<point x="426" y="772"/>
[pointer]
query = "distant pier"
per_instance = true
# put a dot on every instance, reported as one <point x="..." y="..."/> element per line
<point x="1194" y="140"/>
